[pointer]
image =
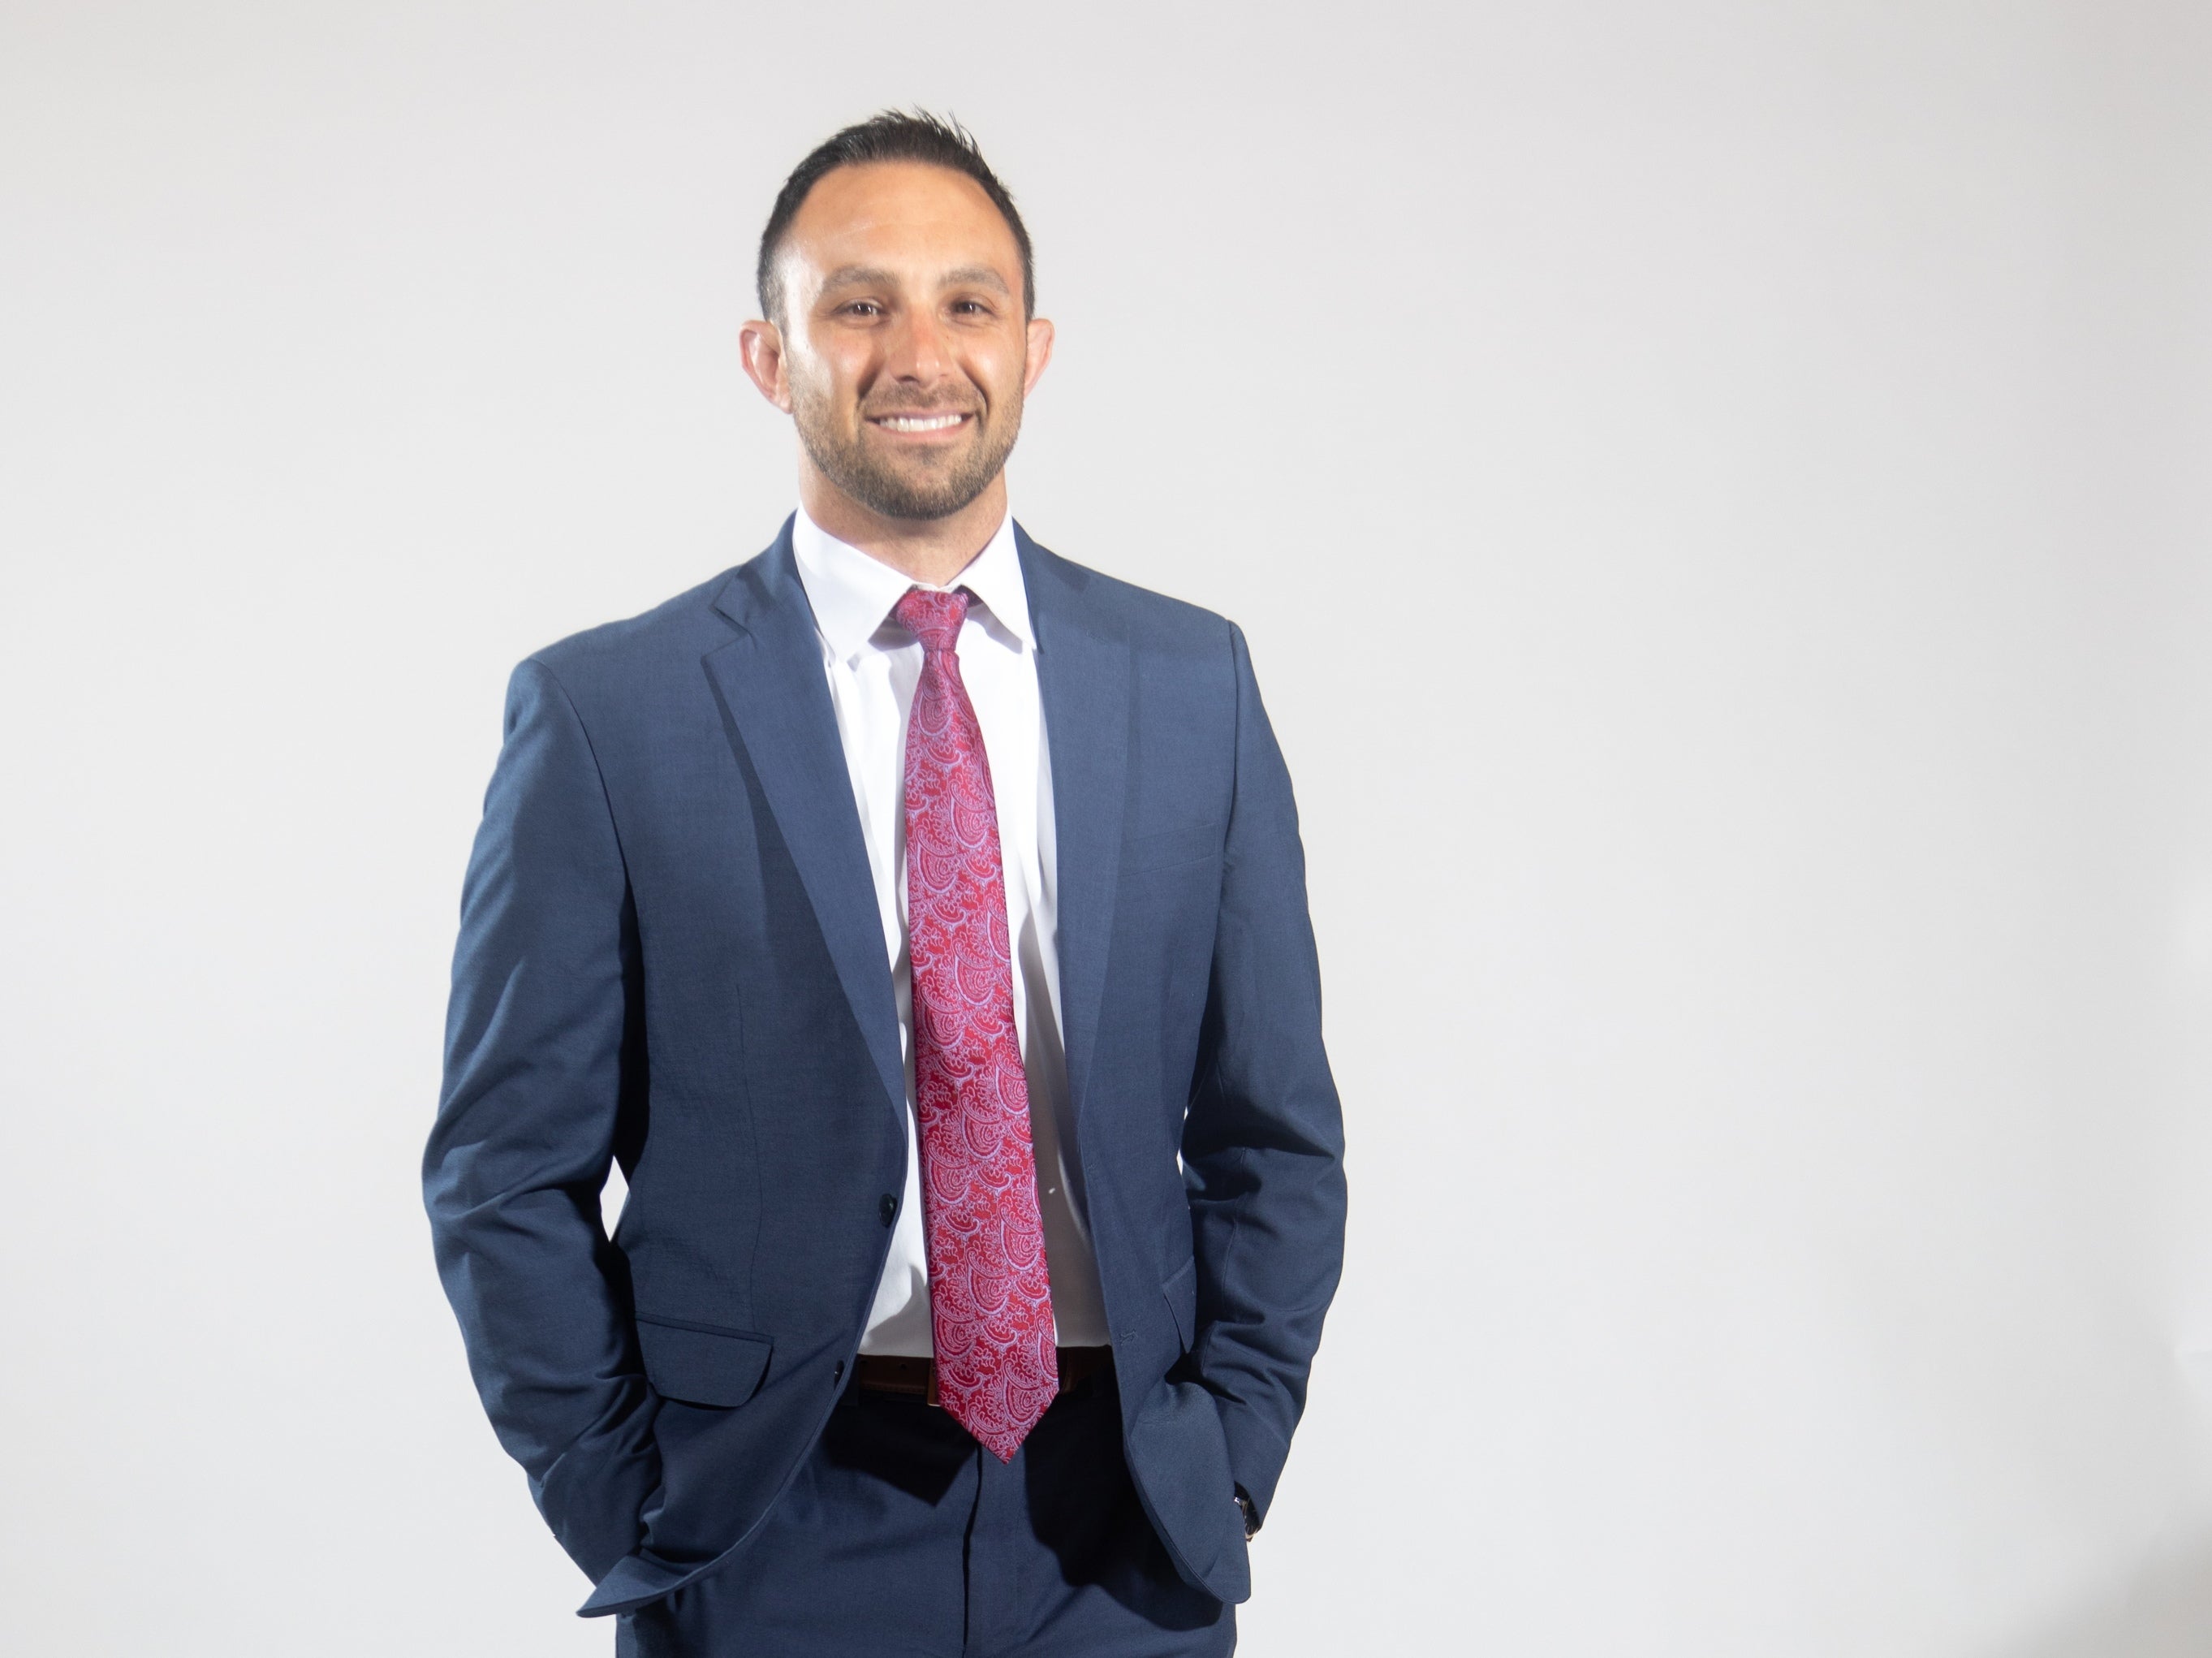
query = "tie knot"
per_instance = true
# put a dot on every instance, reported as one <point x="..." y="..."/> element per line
<point x="933" y="617"/>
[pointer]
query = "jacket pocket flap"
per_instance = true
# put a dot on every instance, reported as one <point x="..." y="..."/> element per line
<point x="701" y="1364"/>
<point x="1182" y="1291"/>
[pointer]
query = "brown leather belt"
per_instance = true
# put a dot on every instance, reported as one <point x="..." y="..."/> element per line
<point x="887" y="1373"/>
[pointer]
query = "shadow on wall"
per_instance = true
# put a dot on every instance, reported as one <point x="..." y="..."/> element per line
<point x="2164" y="1610"/>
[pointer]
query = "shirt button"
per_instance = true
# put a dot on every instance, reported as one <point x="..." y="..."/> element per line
<point x="889" y="1205"/>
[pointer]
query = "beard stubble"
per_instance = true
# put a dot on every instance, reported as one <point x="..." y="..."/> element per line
<point x="930" y="487"/>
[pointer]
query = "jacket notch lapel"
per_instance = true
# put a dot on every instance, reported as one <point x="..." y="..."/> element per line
<point x="1083" y="681"/>
<point x="769" y="682"/>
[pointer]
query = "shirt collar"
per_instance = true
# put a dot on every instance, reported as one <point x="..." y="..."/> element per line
<point x="852" y="593"/>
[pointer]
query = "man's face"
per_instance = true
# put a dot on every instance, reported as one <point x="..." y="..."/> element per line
<point x="904" y="353"/>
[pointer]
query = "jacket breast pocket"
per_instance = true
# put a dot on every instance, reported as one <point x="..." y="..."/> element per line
<point x="702" y="1364"/>
<point x="1170" y="847"/>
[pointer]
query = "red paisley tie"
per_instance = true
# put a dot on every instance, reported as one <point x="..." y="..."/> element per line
<point x="990" y="1294"/>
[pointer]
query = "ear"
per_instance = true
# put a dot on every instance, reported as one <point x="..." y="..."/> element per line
<point x="1039" y="354"/>
<point x="761" y="344"/>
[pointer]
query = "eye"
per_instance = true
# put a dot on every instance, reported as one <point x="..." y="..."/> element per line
<point x="864" y="309"/>
<point x="971" y="307"/>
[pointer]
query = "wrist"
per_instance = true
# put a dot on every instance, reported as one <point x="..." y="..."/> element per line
<point x="1251" y="1514"/>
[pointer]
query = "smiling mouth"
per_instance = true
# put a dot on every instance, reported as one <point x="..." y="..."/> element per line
<point x="918" y="422"/>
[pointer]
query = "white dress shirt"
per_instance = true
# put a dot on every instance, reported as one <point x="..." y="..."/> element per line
<point x="872" y="663"/>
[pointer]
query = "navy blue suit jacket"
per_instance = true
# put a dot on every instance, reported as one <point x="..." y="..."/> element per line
<point x="670" y="958"/>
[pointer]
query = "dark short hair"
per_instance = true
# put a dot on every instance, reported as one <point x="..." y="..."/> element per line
<point x="893" y="135"/>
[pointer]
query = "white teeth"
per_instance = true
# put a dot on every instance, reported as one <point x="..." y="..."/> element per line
<point x="920" y="422"/>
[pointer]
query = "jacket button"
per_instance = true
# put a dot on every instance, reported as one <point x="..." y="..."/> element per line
<point x="838" y="1375"/>
<point x="889" y="1205"/>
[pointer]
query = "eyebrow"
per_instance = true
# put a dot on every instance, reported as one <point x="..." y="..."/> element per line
<point x="867" y="276"/>
<point x="871" y="276"/>
<point x="978" y="275"/>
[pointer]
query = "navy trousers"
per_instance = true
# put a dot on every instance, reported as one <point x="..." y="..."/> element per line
<point x="901" y="1538"/>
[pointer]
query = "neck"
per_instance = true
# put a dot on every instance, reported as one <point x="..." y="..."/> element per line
<point x="931" y="550"/>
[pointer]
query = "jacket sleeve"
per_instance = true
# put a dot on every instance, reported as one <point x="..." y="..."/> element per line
<point x="1263" y="1142"/>
<point x="543" y="1069"/>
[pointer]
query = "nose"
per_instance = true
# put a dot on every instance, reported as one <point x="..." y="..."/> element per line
<point x="917" y="349"/>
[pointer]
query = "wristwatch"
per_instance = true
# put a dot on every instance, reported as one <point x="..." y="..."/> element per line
<point x="1251" y="1514"/>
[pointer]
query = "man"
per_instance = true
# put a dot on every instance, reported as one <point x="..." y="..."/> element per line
<point x="918" y="920"/>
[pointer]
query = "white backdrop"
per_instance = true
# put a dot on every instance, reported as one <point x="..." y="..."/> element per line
<point x="1719" y="495"/>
